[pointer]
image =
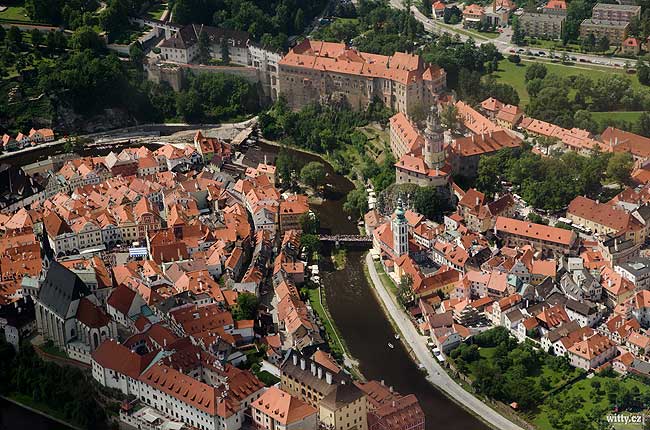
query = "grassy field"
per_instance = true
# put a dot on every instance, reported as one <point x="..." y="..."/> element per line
<point x="157" y="11"/>
<point x="603" y="117"/>
<point x="514" y="75"/>
<point x="15" y="13"/>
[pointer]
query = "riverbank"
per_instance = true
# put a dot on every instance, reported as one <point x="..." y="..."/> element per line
<point x="25" y="403"/>
<point x="436" y="375"/>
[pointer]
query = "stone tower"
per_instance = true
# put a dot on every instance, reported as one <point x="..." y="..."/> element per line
<point x="434" y="150"/>
<point x="400" y="230"/>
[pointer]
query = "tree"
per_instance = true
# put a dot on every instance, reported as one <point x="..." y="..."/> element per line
<point x="246" y="309"/>
<point x="405" y="291"/>
<point x="298" y="21"/>
<point x="514" y="58"/>
<point x="37" y="38"/>
<point x="313" y="174"/>
<point x="188" y="105"/>
<point x="225" y="51"/>
<point x="619" y="167"/>
<point x="583" y="119"/>
<point x="311" y="244"/>
<point x="309" y="223"/>
<point x="14" y="38"/>
<point x="136" y="54"/>
<point x="449" y="117"/>
<point x="535" y="71"/>
<point x="203" y="55"/>
<point x="427" y="202"/>
<point x="86" y="38"/>
<point x="518" y="35"/>
<point x="643" y="72"/>
<point x="642" y="127"/>
<point x="356" y="202"/>
<point x="603" y="44"/>
<point x="589" y="43"/>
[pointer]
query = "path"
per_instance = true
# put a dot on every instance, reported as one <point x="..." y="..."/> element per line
<point x="436" y="375"/>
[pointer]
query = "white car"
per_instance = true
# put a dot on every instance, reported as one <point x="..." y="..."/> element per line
<point x="438" y="354"/>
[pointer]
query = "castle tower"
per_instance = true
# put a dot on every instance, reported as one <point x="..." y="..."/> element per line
<point x="400" y="230"/>
<point x="434" y="153"/>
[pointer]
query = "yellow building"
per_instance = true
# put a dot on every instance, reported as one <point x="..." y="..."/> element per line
<point x="344" y="408"/>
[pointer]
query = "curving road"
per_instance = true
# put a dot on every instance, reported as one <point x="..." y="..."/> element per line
<point x="504" y="45"/>
<point x="436" y="375"/>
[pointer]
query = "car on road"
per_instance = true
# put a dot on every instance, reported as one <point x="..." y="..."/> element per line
<point x="438" y="355"/>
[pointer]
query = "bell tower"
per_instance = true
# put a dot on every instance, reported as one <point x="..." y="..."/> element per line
<point x="400" y="230"/>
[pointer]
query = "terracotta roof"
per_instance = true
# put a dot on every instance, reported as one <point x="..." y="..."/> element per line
<point x="487" y="143"/>
<point x="535" y="231"/>
<point x="603" y="214"/>
<point x="91" y="315"/>
<point x="283" y="407"/>
<point x="186" y="389"/>
<point x="112" y="355"/>
<point x="592" y="347"/>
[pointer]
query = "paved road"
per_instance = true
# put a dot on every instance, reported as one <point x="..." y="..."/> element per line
<point x="504" y="45"/>
<point x="437" y="375"/>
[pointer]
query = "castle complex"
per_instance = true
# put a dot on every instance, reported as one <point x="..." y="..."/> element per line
<point x="320" y="71"/>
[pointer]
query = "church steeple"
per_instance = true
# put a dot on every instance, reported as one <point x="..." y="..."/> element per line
<point x="400" y="230"/>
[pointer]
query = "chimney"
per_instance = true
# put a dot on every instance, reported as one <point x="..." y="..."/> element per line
<point x="616" y="245"/>
<point x="313" y="368"/>
<point x="390" y="388"/>
<point x="302" y="363"/>
<point x="295" y="360"/>
<point x="328" y="378"/>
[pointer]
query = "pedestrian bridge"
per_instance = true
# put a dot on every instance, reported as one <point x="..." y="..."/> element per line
<point x="345" y="238"/>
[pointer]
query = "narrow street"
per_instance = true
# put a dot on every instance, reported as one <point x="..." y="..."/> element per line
<point x="436" y="375"/>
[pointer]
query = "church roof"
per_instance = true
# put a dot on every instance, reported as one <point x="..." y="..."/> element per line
<point x="60" y="288"/>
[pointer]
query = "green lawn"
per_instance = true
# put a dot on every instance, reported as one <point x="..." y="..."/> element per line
<point x="581" y="398"/>
<point x="514" y="75"/>
<point x="156" y="12"/>
<point x="15" y="13"/>
<point x="335" y="340"/>
<point x="604" y="117"/>
<point x="385" y="279"/>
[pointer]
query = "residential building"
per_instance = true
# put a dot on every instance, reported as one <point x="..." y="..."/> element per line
<point x="543" y="25"/>
<point x="615" y="12"/>
<point x="555" y="7"/>
<point x="592" y="353"/>
<point x="637" y="271"/>
<point x="542" y="237"/>
<point x="277" y="410"/>
<point x="344" y="407"/>
<point x="615" y="31"/>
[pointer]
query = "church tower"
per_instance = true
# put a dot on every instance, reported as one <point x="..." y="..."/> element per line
<point x="400" y="230"/>
<point x="434" y="152"/>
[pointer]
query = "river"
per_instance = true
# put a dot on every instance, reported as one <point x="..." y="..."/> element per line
<point x="363" y="324"/>
<point x="14" y="417"/>
<point x="354" y="308"/>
